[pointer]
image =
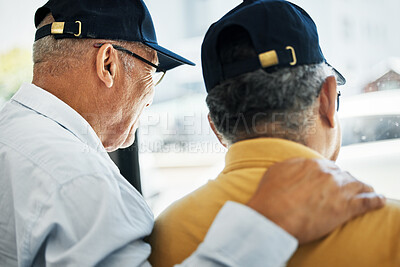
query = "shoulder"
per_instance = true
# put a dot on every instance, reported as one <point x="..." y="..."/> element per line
<point x="32" y="141"/>
<point x="368" y="240"/>
<point x="389" y="216"/>
<point x="373" y="229"/>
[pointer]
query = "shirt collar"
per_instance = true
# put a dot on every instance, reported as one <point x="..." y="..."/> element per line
<point x="45" y="103"/>
<point x="261" y="152"/>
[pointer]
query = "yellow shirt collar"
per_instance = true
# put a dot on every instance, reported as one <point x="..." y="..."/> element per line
<point x="261" y="152"/>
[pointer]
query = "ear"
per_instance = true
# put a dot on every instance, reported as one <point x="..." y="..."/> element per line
<point x="219" y="136"/>
<point x="327" y="99"/>
<point x="106" y="64"/>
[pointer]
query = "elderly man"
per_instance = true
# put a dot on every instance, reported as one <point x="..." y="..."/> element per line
<point x="272" y="97"/>
<point x="64" y="202"/>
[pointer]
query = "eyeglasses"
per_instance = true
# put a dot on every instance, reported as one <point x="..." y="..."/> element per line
<point x="157" y="76"/>
<point x="337" y="106"/>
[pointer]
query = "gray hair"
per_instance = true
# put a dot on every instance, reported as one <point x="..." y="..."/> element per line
<point x="262" y="104"/>
<point x="67" y="53"/>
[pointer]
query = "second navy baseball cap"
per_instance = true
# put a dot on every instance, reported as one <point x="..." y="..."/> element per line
<point x="283" y="35"/>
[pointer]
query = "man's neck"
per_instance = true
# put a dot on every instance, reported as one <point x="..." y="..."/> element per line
<point x="79" y="95"/>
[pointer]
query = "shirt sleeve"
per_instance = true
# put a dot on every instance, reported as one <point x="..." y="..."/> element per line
<point x="239" y="236"/>
<point x="86" y="222"/>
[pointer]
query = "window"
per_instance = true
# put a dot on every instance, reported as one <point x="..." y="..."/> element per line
<point x="370" y="129"/>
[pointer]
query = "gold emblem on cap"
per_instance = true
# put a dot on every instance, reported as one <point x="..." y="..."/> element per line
<point x="294" y="62"/>
<point x="57" y="27"/>
<point x="268" y="59"/>
<point x="80" y="28"/>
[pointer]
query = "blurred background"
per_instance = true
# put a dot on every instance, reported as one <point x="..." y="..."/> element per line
<point x="178" y="152"/>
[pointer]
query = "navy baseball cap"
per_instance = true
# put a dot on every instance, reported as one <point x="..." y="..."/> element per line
<point x="124" y="20"/>
<point x="283" y="35"/>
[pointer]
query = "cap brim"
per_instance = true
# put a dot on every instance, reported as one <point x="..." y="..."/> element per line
<point x="168" y="59"/>
<point x="340" y="79"/>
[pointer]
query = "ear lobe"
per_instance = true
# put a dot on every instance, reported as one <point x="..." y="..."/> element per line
<point x="106" y="64"/>
<point x="214" y="129"/>
<point x="328" y="96"/>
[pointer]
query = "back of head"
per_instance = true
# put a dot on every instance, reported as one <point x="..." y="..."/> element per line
<point x="263" y="103"/>
<point x="263" y="69"/>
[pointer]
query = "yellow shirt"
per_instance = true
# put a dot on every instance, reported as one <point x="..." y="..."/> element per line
<point x="369" y="240"/>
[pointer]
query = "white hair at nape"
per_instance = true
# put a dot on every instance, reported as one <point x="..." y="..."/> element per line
<point x="62" y="53"/>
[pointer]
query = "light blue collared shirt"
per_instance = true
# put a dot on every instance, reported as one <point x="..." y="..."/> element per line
<point x="63" y="202"/>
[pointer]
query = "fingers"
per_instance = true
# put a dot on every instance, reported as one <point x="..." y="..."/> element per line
<point x="355" y="186"/>
<point x="347" y="180"/>
<point x="365" y="202"/>
<point x="362" y="196"/>
<point x="365" y="188"/>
